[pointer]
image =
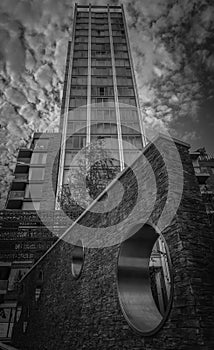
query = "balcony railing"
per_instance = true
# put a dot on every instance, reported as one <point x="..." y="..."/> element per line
<point x="16" y="194"/>
<point x="21" y="177"/>
<point x="24" y="161"/>
<point x="201" y="174"/>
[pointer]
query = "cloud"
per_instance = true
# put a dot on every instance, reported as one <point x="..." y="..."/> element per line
<point x="44" y="76"/>
<point x="15" y="97"/>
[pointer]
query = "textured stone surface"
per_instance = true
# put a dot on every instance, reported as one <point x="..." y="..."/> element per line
<point x="86" y="314"/>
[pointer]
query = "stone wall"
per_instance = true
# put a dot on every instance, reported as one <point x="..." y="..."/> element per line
<point x="85" y="313"/>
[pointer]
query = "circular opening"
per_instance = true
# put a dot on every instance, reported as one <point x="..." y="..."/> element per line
<point x="77" y="259"/>
<point x="144" y="280"/>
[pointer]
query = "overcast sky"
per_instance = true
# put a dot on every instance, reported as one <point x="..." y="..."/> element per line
<point x="173" y="51"/>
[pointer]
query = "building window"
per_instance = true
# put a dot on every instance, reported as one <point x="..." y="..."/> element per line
<point x="80" y="54"/>
<point x="124" y="72"/>
<point x="104" y="128"/>
<point x="80" y="46"/>
<point x="124" y="91"/>
<point x="121" y="54"/>
<point x="130" y="128"/>
<point x="35" y="205"/>
<point x="33" y="191"/>
<point x="38" y="158"/>
<point x="69" y="155"/>
<point x="40" y="143"/>
<point x="81" y="39"/>
<point x="123" y="81"/>
<point x="101" y="71"/>
<point x="76" y="142"/>
<point x="127" y="100"/>
<point x="102" y="54"/>
<point x="79" y="81"/>
<point x="7" y="318"/>
<point x="134" y="140"/>
<point x="122" y="63"/>
<point x="77" y="102"/>
<point x="78" y="114"/>
<point x="103" y="114"/>
<point x="80" y="62"/>
<point x="16" y="275"/>
<point x="102" y="91"/>
<point x="80" y="71"/>
<point x="66" y="176"/>
<point x="76" y="127"/>
<point x="79" y="91"/>
<point x="130" y="156"/>
<point x="105" y="102"/>
<point x="128" y="115"/>
<point x="100" y="62"/>
<point x="36" y="174"/>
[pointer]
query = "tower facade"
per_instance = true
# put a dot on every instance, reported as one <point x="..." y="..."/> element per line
<point x="100" y="98"/>
<point x="129" y="294"/>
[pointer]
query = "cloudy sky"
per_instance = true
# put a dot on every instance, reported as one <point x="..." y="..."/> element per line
<point x="173" y="51"/>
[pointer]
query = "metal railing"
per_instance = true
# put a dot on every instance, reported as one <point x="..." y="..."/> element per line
<point x="16" y="194"/>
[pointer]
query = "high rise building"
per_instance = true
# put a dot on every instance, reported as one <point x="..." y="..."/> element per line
<point x="100" y="97"/>
<point x="100" y="102"/>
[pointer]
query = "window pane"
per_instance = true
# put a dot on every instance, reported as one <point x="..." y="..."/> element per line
<point x="33" y="191"/>
<point x="36" y="173"/>
<point x="68" y="157"/>
<point x="38" y="158"/>
<point x="40" y="143"/>
<point x="31" y="205"/>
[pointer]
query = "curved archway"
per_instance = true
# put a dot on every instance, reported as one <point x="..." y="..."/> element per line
<point x="136" y="287"/>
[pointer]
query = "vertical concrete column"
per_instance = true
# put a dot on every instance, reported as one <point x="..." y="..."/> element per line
<point x="142" y="129"/>
<point x="119" y="131"/>
<point x="66" y="113"/>
<point x="89" y="80"/>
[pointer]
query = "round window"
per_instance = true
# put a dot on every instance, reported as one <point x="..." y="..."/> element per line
<point x="144" y="280"/>
<point x="77" y="259"/>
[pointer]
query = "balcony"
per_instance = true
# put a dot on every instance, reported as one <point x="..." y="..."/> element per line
<point x="194" y="155"/>
<point x="21" y="168"/>
<point x="25" y="153"/>
<point x="21" y="177"/>
<point x="14" y="203"/>
<point x="201" y="175"/>
<point x="23" y="161"/>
